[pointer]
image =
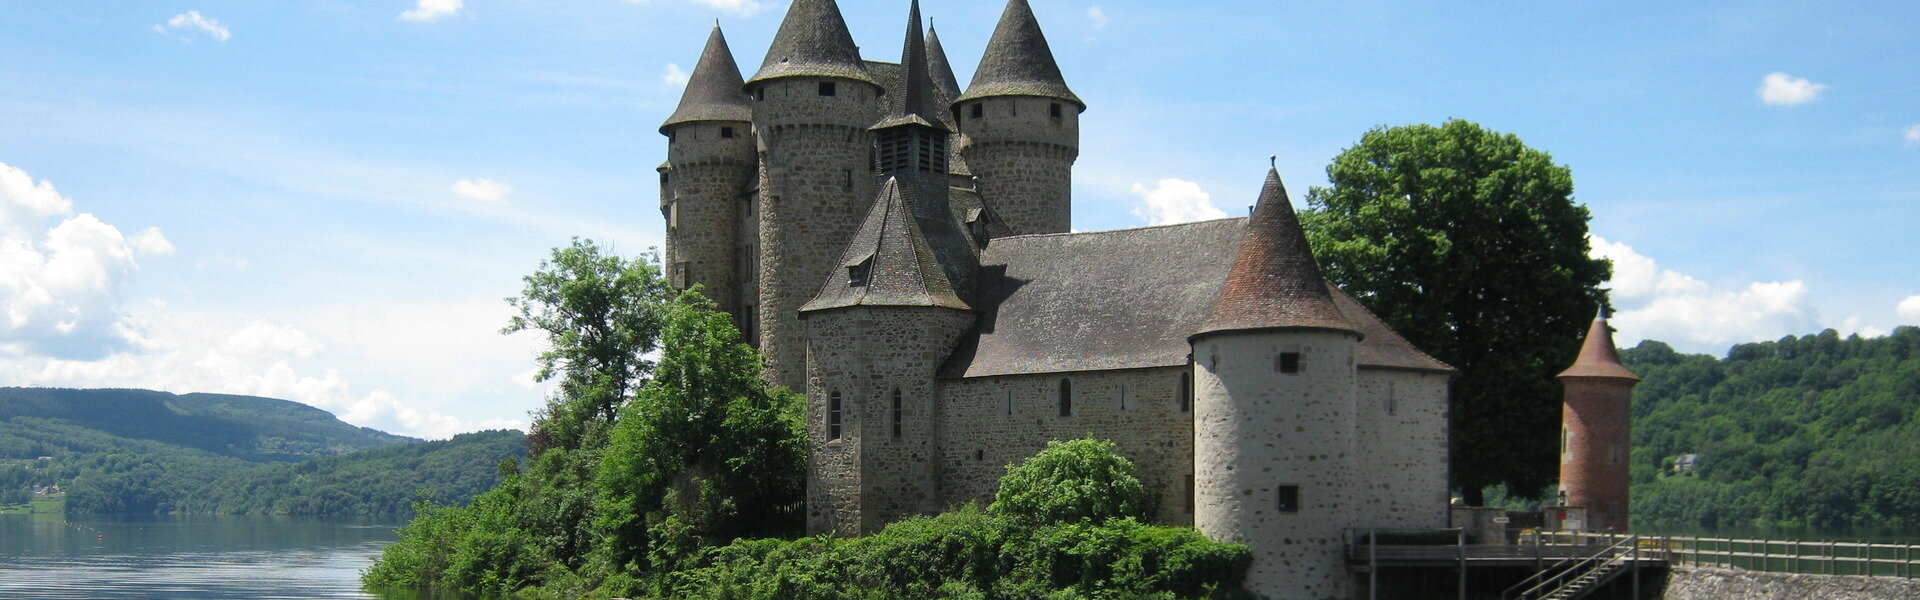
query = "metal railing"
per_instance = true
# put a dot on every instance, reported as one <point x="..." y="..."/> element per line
<point x="1795" y="556"/>
<point x="1599" y="565"/>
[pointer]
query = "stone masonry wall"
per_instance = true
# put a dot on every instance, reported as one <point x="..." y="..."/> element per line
<point x="869" y="476"/>
<point x="817" y="188"/>
<point x="993" y="422"/>
<point x="708" y="173"/>
<point x="1697" y="583"/>
<point x="1594" y="462"/>
<point x="1401" y="468"/>
<point x="1257" y="430"/>
<point x="1022" y="160"/>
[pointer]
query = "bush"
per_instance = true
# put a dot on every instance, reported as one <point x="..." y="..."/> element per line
<point x="1069" y="482"/>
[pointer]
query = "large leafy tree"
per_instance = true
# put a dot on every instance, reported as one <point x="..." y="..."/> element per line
<point x="1470" y="244"/>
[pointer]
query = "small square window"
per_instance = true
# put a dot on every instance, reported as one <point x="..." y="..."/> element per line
<point x="857" y="275"/>
<point x="828" y="88"/>
<point x="1288" y="362"/>
<point x="1288" y="500"/>
<point x="977" y="110"/>
<point x="1055" y="111"/>
<point x="979" y="455"/>
<point x="759" y="94"/>
<point x="726" y="132"/>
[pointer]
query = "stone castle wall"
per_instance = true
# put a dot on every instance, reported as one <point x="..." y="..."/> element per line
<point x="1401" y="468"/>
<point x="1699" y="583"/>
<point x="1022" y="159"/>
<point x="1596" y="439"/>
<point x="1258" y="430"/>
<point x="817" y="188"/>
<point x="993" y="422"/>
<point x="707" y="174"/>
<point x="870" y="476"/>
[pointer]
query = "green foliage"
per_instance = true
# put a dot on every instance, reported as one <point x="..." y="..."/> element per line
<point x="243" y="427"/>
<point x="1469" y="243"/>
<point x="1814" y="432"/>
<point x="601" y="314"/>
<point x="1079" y="481"/>
<point x="383" y="481"/>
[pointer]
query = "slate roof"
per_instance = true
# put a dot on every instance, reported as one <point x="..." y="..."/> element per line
<point x="902" y="268"/>
<point x="813" y="42"/>
<point x="1124" y="299"/>
<point x="944" y="80"/>
<point x="714" y="90"/>
<point x="915" y="101"/>
<point x="1598" y="356"/>
<point x="1018" y="61"/>
<point x="1275" y="282"/>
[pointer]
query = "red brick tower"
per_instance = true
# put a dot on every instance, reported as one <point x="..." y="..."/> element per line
<point x="1596" y="422"/>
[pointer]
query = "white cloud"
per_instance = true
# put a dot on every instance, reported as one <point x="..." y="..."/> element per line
<point x="1174" y="201"/>
<point x="60" y="285"/>
<point x="673" y="76"/>
<point x="1912" y="134"/>
<point x="428" y="11"/>
<point x="1656" y="303"/>
<point x="1909" y="310"/>
<point x="483" y="190"/>
<point x="1780" y="89"/>
<point x="744" y="8"/>
<point x="1098" y="16"/>
<point x="192" y="21"/>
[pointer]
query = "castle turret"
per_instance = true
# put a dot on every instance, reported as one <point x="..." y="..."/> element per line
<point x="704" y="185"/>
<point x="878" y="329"/>
<point x="1274" y="412"/>
<point x="1022" y="127"/>
<point x="813" y="101"/>
<point x="1596" y="421"/>
<point x="911" y="146"/>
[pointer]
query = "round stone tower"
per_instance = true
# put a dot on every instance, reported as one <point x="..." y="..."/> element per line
<point x="813" y="101"/>
<point x="1020" y="127"/>
<point x="710" y="169"/>
<point x="1596" y="435"/>
<point x="1274" y="412"/>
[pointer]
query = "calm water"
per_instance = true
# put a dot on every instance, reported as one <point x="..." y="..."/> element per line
<point x="162" y="558"/>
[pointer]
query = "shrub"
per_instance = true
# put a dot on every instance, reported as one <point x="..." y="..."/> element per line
<point x="1078" y="481"/>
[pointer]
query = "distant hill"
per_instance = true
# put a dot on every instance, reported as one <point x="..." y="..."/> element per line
<point x="1819" y="432"/>
<point x="140" y="451"/>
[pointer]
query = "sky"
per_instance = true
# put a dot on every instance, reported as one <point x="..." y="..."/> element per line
<point x="328" y="200"/>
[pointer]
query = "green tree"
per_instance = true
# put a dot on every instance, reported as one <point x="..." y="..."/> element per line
<point x="707" y="452"/>
<point x="601" y="315"/>
<point x="1077" y="481"/>
<point x="1469" y="243"/>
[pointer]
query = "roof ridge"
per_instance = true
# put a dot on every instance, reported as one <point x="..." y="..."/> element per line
<point x="1121" y="230"/>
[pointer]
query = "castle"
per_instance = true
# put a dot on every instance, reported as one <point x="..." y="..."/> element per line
<point x="899" y="249"/>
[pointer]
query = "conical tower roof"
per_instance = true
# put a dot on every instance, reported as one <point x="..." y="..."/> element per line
<point x="713" y="91"/>
<point x="1018" y="61"/>
<point x="813" y="42"/>
<point x="891" y="254"/>
<point x="1598" y="357"/>
<point x="1274" y="282"/>
<point x="944" y="82"/>
<point x="916" y="102"/>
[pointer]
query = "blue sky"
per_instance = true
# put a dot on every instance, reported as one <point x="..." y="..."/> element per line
<point x="266" y="197"/>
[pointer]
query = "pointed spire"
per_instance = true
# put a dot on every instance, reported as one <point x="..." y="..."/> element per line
<point x="1598" y="357"/>
<point x="1018" y="61"/>
<point x="813" y="42"/>
<point x="917" y="101"/>
<point x="1275" y="282"/>
<point x="888" y="263"/>
<point x="713" y="91"/>
<point x="944" y="82"/>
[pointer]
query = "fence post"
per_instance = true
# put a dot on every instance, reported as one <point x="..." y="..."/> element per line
<point x="1635" y="565"/>
<point x="1833" y="558"/>
<point x="1462" y="537"/>
<point x="1765" y="554"/>
<point x="1373" y="564"/>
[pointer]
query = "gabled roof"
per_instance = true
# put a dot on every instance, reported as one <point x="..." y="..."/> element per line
<point x="813" y="42"/>
<point x="1598" y="357"/>
<point x="900" y="267"/>
<point x="916" y="102"/>
<point x="1123" y="299"/>
<point x="1275" y="282"/>
<point x="1018" y="61"/>
<point x="714" y="90"/>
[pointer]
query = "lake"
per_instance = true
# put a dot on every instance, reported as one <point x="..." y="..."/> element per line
<point x="163" y="557"/>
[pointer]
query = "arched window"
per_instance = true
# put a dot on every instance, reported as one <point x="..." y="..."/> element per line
<point x="1186" y="391"/>
<point x="1066" y="397"/>
<point x="833" y="415"/>
<point x="896" y="413"/>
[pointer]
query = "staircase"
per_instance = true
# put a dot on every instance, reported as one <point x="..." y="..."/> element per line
<point x="1575" y="578"/>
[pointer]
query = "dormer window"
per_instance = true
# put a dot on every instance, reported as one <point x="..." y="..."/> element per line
<point x="860" y="272"/>
<point x="828" y="88"/>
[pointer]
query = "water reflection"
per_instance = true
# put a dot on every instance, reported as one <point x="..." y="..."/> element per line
<point x="112" y="558"/>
